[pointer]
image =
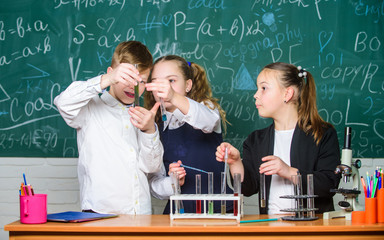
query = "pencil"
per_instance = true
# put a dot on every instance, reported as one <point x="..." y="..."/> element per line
<point x="260" y="220"/>
<point x="364" y="186"/>
<point x="25" y="180"/>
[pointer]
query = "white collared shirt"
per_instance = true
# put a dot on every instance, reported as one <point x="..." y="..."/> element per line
<point x="114" y="156"/>
<point x="200" y="117"/>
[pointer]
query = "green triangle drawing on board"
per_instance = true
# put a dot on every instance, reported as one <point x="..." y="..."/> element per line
<point x="243" y="80"/>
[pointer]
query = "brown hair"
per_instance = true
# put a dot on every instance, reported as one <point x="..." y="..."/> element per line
<point x="200" y="91"/>
<point x="309" y="119"/>
<point x="133" y="52"/>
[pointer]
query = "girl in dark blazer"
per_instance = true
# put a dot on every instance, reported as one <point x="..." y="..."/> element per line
<point x="298" y="141"/>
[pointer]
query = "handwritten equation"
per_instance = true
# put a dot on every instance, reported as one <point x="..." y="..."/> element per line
<point x="73" y="40"/>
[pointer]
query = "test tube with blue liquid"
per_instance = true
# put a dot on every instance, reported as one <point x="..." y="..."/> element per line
<point x="198" y="191"/>
<point x="179" y="206"/>
<point x="210" y="192"/>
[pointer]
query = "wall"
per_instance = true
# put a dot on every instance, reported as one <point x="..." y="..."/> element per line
<point x="57" y="177"/>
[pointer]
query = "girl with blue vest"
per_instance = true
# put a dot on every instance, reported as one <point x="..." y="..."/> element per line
<point x="191" y="131"/>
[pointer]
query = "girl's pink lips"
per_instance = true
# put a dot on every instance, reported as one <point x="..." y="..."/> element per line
<point x="130" y="95"/>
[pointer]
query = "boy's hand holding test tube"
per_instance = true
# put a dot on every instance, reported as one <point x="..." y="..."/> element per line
<point x="124" y="73"/>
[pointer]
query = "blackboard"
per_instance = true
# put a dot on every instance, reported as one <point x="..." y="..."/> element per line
<point x="46" y="45"/>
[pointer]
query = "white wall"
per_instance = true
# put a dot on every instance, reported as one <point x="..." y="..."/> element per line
<point x="57" y="177"/>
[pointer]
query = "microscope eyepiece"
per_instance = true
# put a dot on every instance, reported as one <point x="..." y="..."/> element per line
<point x="347" y="138"/>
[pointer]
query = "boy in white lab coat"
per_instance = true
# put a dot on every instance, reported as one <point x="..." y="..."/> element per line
<point x="118" y="143"/>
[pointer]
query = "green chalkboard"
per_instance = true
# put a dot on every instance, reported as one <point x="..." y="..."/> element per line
<point x="46" y="45"/>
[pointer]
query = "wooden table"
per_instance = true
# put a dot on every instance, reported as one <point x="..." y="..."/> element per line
<point x="161" y="227"/>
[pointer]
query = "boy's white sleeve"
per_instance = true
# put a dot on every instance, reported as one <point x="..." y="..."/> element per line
<point x="160" y="184"/>
<point x="72" y="100"/>
<point x="202" y="117"/>
<point x="151" y="151"/>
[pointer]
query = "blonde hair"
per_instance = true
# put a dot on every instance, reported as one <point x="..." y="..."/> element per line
<point x="200" y="91"/>
<point x="133" y="52"/>
<point x="309" y="119"/>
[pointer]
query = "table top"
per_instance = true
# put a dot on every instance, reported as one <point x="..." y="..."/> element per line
<point x="162" y="223"/>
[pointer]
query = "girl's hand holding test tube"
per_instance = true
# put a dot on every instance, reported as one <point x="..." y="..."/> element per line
<point x="169" y="91"/>
<point x="233" y="157"/>
<point x="175" y="167"/>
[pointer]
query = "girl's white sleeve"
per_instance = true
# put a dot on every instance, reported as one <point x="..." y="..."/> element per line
<point x="72" y="102"/>
<point x="203" y="117"/>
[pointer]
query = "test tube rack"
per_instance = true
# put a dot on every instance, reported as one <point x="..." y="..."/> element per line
<point x="300" y="212"/>
<point x="204" y="211"/>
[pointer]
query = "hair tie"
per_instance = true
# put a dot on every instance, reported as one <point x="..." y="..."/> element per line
<point x="302" y="72"/>
<point x="189" y="63"/>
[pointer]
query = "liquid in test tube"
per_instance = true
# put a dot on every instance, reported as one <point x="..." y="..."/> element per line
<point x="210" y="192"/>
<point x="137" y="94"/>
<point x="262" y="191"/>
<point x="236" y="191"/>
<point x="223" y="191"/>
<point x="198" y="191"/>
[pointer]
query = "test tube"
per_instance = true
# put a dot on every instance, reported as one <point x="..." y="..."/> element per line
<point x="174" y="182"/>
<point x="262" y="191"/>
<point x="223" y="191"/>
<point x="298" y="191"/>
<point x="198" y="191"/>
<point x="162" y="110"/>
<point x="310" y="192"/>
<point x="210" y="192"/>
<point x="177" y="190"/>
<point x="137" y="94"/>
<point x="236" y="191"/>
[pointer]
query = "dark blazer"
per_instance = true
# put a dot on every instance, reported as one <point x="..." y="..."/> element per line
<point x="320" y="160"/>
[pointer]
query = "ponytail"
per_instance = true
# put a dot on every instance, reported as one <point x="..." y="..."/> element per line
<point x="309" y="118"/>
<point x="201" y="92"/>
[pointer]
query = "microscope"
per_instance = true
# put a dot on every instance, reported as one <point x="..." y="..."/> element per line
<point x="348" y="170"/>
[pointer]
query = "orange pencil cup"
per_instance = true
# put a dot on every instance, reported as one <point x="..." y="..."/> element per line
<point x="370" y="210"/>
<point x="380" y="205"/>
<point x="358" y="217"/>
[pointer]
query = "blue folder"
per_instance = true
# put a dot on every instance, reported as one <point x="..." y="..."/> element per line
<point x="77" y="216"/>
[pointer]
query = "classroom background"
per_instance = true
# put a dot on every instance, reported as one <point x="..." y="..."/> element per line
<point x="46" y="45"/>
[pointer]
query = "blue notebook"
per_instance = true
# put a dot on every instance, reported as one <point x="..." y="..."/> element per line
<point x="77" y="216"/>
